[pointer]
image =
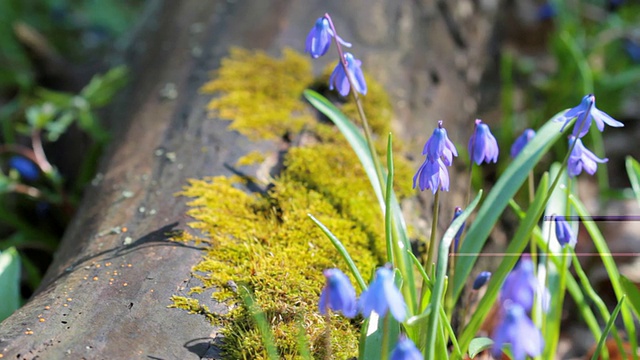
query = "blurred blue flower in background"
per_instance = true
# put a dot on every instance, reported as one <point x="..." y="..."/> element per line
<point x="564" y="234"/>
<point x="518" y="330"/>
<point x="481" y="279"/>
<point x="406" y="350"/>
<point x="382" y="296"/>
<point x="338" y="294"/>
<point x="521" y="142"/>
<point x="25" y="167"/>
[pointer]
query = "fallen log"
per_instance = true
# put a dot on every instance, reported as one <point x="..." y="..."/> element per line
<point x="107" y="292"/>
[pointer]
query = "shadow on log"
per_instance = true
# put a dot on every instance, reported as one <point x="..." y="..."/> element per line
<point x="106" y="294"/>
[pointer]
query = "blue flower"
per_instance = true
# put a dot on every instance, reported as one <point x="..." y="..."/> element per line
<point x="517" y="329"/>
<point x="546" y="11"/>
<point x="585" y="112"/>
<point x="338" y="294"/>
<point x="406" y="350"/>
<point x="25" y="167"/>
<point x="521" y="285"/>
<point x="564" y="234"/>
<point x="456" y="243"/>
<point x="383" y="295"/>
<point x="481" y="279"/>
<point x="582" y="158"/>
<point x="431" y="175"/>
<point x="319" y="38"/>
<point x="633" y="50"/>
<point x="339" y="79"/>
<point x="439" y="146"/>
<point x="483" y="145"/>
<point x="521" y="142"/>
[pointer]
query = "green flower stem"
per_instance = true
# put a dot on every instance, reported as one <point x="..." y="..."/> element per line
<point x="556" y="317"/>
<point x="387" y="204"/>
<point x="534" y="250"/>
<point x="434" y="232"/>
<point x="384" y="351"/>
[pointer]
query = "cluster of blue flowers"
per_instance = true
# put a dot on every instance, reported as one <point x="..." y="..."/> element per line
<point x="585" y="113"/>
<point x="347" y="71"/>
<point x="381" y="296"/>
<point x="517" y="295"/>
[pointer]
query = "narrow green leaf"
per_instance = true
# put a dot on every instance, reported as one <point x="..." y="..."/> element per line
<point x="498" y="199"/>
<point x="605" y="333"/>
<point x="343" y="251"/>
<point x="609" y="265"/>
<point x="631" y="290"/>
<point x="478" y="345"/>
<point x="353" y="135"/>
<point x="441" y="274"/>
<point x="633" y="170"/>
<point x="9" y="282"/>
<point x="516" y="246"/>
<point x="261" y="322"/>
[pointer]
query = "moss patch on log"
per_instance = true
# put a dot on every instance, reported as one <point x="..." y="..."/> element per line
<point x="265" y="241"/>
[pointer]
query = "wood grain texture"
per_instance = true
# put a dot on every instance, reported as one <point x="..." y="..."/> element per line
<point x="432" y="56"/>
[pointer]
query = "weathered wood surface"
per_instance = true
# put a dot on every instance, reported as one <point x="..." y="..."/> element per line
<point x="432" y="56"/>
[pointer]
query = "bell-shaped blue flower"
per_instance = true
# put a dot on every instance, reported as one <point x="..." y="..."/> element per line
<point x="431" y="175"/>
<point x="481" y="279"/>
<point x="382" y="296"/>
<point x="564" y="234"/>
<point x="521" y="285"/>
<point x="521" y="142"/>
<point x="406" y="350"/>
<point x="25" y="167"/>
<point x="340" y="81"/>
<point x="320" y="37"/>
<point x="518" y="330"/>
<point x="482" y="144"/>
<point x="439" y="146"/>
<point x="585" y="113"/>
<point x="582" y="158"/>
<point x="338" y="294"/>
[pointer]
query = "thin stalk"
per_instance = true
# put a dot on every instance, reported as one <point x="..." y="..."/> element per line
<point x="431" y="253"/>
<point x="384" y="351"/>
<point x="534" y="250"/>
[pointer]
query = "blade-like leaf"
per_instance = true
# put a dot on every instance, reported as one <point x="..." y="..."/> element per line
<point x="633" y="169"/>
<point x="9" y="282"/>
<point x="478" y="345"/>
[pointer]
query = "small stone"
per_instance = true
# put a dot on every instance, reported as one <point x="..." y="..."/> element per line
<point x="128" y="240"/>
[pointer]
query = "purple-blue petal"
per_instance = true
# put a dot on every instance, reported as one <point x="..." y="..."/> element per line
<point x="405" y="350"/>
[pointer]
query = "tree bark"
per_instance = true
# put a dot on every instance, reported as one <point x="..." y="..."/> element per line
<point x="106" y="294"/>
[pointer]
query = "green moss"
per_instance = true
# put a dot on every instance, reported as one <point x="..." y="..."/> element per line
<point x="265" y="241"/>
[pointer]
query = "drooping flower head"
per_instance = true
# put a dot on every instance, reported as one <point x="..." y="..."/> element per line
<point x="564" y="234"/>
<point x="382" y="296"/>
<point x="518" y="330"/>
<point x="25" y="167"/>
<point x="456" y="239"/>
<point x="405" y="350"/>
<point x="481" y="279"/>
<point x="320" y="37"/>
<point x="582" y="158"/>
<point x="340" y="81"/>
<point x="521" y="142"/>
<point x="482" y="144"/>
<point x="585" y="112"/>
<point x="338" y="294"/>
<point x="431" y="175"/>
<point x="439" y="146"/>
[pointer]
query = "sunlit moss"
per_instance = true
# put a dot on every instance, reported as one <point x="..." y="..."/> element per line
<point x="265" y="242"/>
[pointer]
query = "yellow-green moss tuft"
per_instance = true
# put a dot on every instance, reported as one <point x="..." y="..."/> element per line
<point x="265" y="241"/>
<point x="261" y="100"/>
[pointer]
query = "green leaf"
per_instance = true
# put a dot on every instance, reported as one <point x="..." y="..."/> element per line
<point x="607" y="328"/>
<point x="101" y="88"/>
<point x="9" y="282"/>
<point x="498" y="199"/>
<point x="631" y="290"/>
<point x="441" y="274"/>
<point x="261" y="322"/>
<point x="516" y="246"/>
<point x="358" y="143"/>
<point x="477" y="345"/>
<point x="633" y="170"/>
